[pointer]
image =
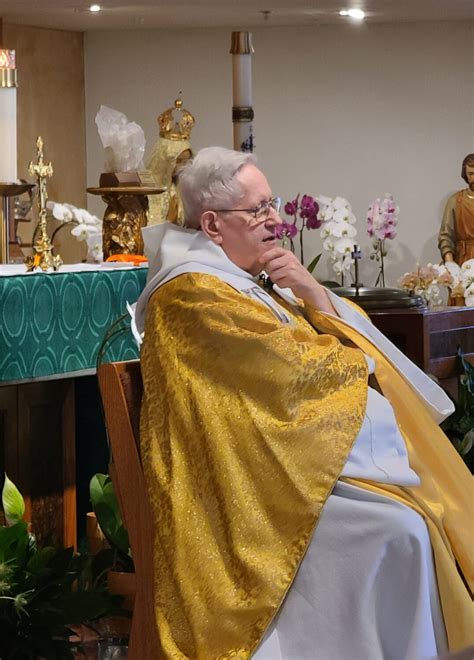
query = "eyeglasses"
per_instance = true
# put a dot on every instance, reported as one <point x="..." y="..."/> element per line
<point x="260" y="212"/>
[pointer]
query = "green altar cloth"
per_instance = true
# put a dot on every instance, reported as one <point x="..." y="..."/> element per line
<point x="54" y="323"/>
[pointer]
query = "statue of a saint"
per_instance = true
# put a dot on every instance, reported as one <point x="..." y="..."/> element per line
<point x="456" y="236"/>
<point x="171" y="151"/>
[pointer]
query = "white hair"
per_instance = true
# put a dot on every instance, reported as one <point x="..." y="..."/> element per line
<point x="207" y="182"/>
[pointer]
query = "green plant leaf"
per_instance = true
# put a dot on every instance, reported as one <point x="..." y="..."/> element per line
<point x="106" y="508"/>
<point x="459" y="427"/>
<point x="467" y="443"/>
<point x="14" y="543"/>
<point x="40" y="560"/>
<point x="314" y="263"/>
<point x="12" y="501"/>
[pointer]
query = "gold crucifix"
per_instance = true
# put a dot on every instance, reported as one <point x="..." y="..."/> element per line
<point x="43" y="258"/>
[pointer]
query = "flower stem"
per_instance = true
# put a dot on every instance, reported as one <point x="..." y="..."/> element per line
<point x="382" y="272"/>
<point x="380" y="281"/>
<point x="301" y="244"/>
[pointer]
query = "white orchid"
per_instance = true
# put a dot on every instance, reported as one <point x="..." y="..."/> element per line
<point x="344" y="215"/>
<point x="83" y="231"/>
<point x="339" y="229"/>
<point x="338" y="232"/>
<point x="323" y="200"/>
<point x="343" y="265"/>
<point x="87" y="227"/>
<point x="344" y="246"/>
<point x="340" y="203"/>
<point x="94" y="245"/>
<point x="61" y="212"/>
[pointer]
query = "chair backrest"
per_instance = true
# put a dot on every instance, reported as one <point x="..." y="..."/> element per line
<point x="121" y="390"/>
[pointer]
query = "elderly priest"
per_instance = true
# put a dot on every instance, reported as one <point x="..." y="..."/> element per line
<point x="306" y="504"/>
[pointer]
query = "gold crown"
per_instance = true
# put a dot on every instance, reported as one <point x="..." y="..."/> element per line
<point x="176" y="123"/>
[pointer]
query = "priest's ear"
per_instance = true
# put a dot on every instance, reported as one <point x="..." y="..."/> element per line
<point x="210" y="226"/>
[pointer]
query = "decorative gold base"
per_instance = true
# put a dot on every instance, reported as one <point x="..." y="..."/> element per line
<point x="43" y="260"/>
<point x="125" y="216"/>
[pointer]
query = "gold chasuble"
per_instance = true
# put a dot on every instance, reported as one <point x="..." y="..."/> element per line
<point x="246" y="425"/>
<point x="445" y="497"/>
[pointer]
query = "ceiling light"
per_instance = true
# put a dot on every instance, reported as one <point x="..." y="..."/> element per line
<point x="358" y="14"/>
<point x="94" y="8"/>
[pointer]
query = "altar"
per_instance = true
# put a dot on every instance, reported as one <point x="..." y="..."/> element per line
<point x="52" y="326"/>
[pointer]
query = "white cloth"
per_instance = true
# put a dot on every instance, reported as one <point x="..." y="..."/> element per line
<point x="366" y="588"/>
<point x="13" y="270"/>
<point x="379" y="452"/>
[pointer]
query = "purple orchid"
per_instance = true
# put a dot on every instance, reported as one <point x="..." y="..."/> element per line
<point x="308" y="207"/>
<point x="304" y="210"/>
<point x="382" y="217"/>
<point x="312" y="222"/>
<point x="291" y="208"/>
<point x="286" y="230"/>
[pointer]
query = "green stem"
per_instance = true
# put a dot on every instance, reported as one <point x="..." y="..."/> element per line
<point x="382" y="272"/>
<point x="301" y="244"/>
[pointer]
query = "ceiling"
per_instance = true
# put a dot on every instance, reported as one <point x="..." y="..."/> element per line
<point x="235" y="14"/>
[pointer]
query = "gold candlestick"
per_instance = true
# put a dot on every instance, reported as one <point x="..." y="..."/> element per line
<point x="43" y="258"/>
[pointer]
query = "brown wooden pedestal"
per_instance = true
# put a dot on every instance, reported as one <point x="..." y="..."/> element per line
<point x="430" y="337"/>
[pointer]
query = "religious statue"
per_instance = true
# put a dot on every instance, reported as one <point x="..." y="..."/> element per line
<point x="456" y="236"/>
<point x="171" y="151"/>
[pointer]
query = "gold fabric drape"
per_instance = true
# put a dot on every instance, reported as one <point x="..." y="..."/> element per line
<point x="445" y="497"/>
<point x="246" y="425"/>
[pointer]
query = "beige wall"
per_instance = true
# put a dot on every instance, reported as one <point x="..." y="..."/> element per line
<point x="50" y="102"/>
<point x="353" y="111"/>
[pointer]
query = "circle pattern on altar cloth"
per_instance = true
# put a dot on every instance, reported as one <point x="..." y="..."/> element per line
<point x="53" y="323"/>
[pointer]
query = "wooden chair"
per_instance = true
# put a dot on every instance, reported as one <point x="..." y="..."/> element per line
<point x="121" y="389"/>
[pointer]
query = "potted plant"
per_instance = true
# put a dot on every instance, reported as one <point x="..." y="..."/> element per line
<point x="117" y="558"/>
<point x="459" y="427"/>
<point x="42" y="590"/>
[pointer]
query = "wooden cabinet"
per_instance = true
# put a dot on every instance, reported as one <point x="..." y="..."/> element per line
<point x="37" y="451"/>
<point x="430" y="337"/>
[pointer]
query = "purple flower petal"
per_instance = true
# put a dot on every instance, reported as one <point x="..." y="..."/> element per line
<point x="290" y="208"/>
<point x="286" y="230"/>
<point x="312" y="222"/>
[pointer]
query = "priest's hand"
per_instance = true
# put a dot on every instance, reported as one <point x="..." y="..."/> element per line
<point x="286" y="270"/>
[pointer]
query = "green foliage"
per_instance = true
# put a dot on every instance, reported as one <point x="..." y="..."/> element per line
<point x="460" y="426"/>
<point x="42" y="594"/>
<point x="107" y="511"/>
<point x="314" y="263"/>
<point x="13" y="503"/>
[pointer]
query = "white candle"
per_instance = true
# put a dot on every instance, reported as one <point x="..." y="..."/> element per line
<point x="241" y="80"/>
<point x="8" y="151"/>
<point x="242" y="111"/>
<point x="8" y="146"/>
